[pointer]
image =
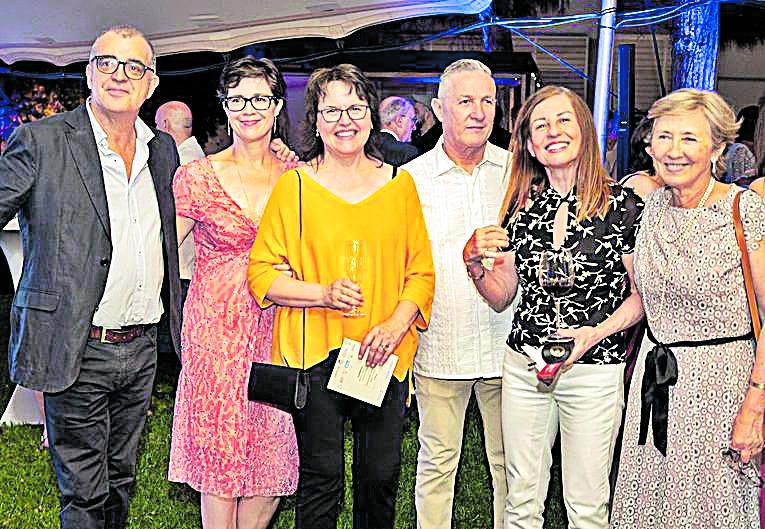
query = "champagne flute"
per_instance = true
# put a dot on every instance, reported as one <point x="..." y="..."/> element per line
<point x="353" y="259"/>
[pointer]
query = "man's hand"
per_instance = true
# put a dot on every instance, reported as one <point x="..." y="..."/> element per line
<point x="485" y="242"/>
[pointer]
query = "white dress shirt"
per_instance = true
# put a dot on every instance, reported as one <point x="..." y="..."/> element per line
<point x="466" y="338"/>
<point x="188" y="151"/>
<point x="132" y="293"/>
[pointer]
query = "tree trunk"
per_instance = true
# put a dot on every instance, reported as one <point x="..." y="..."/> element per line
<point x="696" y="39"/>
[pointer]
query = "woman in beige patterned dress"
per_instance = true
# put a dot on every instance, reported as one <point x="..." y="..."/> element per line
<point x="687" y="446"/>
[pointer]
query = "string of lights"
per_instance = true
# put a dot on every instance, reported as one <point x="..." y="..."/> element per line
<point x="631" y="19"/>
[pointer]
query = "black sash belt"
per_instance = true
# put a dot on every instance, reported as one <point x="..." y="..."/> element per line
<point x="660" y="374"/>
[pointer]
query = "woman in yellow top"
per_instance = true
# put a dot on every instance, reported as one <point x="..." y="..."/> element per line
<point x="345" y="193"/>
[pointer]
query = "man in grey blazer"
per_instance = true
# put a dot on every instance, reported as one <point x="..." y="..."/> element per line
<point x="92" y="189"/>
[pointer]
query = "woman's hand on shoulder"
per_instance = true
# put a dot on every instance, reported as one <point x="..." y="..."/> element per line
<point x="284" y="154"/>
<point x="342" y="294"/>
<point x="641" y="183"/>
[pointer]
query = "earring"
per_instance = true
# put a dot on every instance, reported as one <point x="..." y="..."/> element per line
<point x="228" y="128"/>
<point x="274" y="131"/>
<point x="317" y="133"/>
<point x="714" y="168"/>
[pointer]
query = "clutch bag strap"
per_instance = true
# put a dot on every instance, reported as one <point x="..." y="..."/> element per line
<point x="300" y="224"/>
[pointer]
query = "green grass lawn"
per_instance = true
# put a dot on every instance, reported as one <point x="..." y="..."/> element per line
<point x="29" y="498"/>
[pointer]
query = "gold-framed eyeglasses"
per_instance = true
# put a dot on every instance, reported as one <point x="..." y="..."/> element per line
<point x="333" y="115"/>
<point x="258" y="102"/>
<point x="108" y="64"/>
<point x="749" y="471"/>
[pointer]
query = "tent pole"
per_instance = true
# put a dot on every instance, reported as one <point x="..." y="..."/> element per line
<point x="603" y="75"/>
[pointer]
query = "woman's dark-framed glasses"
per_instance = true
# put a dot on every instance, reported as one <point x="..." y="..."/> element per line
<point x="749" y="471"/>
<point x="133" y="69"/>
<point x="258" y="102"/>
<point x="333" y="115"/>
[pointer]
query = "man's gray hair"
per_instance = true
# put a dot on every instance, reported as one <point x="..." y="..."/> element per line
<point x="461" y="65"/>
<point x="393" y="107"/>
<point x="125" y="31"/>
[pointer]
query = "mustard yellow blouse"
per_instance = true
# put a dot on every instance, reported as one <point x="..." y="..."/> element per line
<point x="397" y="263"/>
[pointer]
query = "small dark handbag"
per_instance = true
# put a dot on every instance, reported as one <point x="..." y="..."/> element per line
<point x="284" y="387"/>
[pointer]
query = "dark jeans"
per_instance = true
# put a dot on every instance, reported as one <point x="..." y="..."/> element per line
<point x="94" y="427"/>
<point x="376" y="454"/>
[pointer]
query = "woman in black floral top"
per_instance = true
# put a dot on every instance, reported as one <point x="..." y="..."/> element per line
<point x="559" y="196"/>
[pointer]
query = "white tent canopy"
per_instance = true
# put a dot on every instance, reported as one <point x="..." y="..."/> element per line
<point x="60" y="31"/>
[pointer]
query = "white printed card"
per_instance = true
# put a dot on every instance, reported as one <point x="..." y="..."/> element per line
<point x="352" y="377"/>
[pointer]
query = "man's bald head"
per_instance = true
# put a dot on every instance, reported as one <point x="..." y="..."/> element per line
<point x="174" y="117"/>
<point x="397" y="114"/>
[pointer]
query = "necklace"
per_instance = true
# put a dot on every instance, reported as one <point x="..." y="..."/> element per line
<point x="688" y="227"/>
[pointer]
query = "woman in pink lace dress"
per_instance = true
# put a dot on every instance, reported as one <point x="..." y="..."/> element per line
<point x="242" y="456"/>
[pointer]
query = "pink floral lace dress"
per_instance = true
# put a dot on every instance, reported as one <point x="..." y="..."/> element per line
<point x="222" y="443"/>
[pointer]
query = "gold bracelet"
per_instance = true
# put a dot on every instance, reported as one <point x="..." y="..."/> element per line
<point x="756" y="385"/>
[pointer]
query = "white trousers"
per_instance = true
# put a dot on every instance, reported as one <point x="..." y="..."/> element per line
<point x="441" y="405"/>
<point x="586" y="403"/>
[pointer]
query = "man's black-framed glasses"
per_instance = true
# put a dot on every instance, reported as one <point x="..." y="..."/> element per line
<point x="258" y="102"/>
<point x="333" y="115"/>
<point x="749" y="471"/>
<point x="133" y="68"/>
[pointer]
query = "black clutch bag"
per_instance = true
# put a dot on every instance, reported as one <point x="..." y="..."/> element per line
<point x="284" y="387"/>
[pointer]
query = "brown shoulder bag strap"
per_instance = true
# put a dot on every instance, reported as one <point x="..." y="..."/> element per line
<point x="748" y="283"/>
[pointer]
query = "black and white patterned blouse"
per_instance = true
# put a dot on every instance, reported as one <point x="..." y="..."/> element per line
<point x="601" y="283"/>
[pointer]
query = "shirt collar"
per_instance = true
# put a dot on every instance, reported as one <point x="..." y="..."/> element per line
<point x="190" y="141"/>
<point x="391" y="133"/>
<point x="491" y="155"/>
<point x="142" y="131"/>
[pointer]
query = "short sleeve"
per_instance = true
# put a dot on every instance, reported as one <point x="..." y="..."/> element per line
<point x="189" y="189"/>
<point x="631" y="211"/>
<point x="753" y="219"/>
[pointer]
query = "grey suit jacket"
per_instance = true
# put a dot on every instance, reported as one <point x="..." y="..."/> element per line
<point x="51" y="175"/>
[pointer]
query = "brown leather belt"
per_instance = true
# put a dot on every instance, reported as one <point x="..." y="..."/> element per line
<point x="119" y="335"/>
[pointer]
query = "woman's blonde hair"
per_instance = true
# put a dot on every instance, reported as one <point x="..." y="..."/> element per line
<point x="527" y="173"/>
<point x="719" y="114"/>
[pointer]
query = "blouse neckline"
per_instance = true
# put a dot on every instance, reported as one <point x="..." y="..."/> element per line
<point x="369" y="198"/>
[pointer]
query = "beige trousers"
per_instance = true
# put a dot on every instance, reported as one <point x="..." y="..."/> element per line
<point x="586" y="403"/>
<point x="442" y="405"/>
